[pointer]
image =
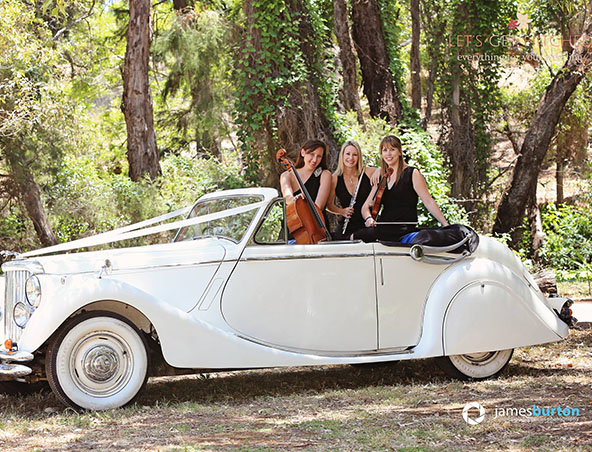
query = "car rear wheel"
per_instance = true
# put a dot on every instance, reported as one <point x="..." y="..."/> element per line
<point x="475" y="366"/>
<point x="98" y="361"/>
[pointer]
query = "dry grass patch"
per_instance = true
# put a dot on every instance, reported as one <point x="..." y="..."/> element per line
<point x="409" y="406"/>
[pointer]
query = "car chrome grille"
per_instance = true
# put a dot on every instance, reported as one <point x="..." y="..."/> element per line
<point x="14" y="292"/>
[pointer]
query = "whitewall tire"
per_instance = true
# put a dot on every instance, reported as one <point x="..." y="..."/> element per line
<point x="98" y="361"/>
<point x="475" y="366"/>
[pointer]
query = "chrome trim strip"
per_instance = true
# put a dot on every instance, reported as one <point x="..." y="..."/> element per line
<point x="149" y="267"/>
<point x="391" y="253"/>
<point x="304" y="256"/>
<point x="330" y="354"/>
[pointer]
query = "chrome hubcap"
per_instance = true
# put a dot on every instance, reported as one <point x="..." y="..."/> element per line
<point x="100" y="363"/>
<point x="479" y="358"/>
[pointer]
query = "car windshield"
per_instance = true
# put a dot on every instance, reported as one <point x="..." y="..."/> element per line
<point x="231" y="227"/>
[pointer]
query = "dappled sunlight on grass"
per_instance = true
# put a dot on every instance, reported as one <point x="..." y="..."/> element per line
<point x="405" y="406"/>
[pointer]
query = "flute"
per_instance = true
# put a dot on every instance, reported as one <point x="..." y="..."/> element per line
<point x="353" y="199"/>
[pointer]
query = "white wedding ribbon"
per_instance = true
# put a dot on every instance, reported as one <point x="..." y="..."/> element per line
<point x="133" y="230"/>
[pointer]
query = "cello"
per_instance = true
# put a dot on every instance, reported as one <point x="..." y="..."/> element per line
<point x="304" y="217"/>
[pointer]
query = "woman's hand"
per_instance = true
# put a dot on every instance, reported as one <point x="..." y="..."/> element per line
<point x="347" y="212"/>
<point x="375" y="178"/>
<point x="370" y="222"/>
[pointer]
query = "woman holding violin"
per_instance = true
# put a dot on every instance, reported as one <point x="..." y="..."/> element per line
<point x="311" y="166"/>
<point x="397" y="195"/>
<point x="351" y="184"/>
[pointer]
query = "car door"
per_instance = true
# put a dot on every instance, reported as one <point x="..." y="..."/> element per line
<point x="317" y="298"/>
<point x="402" y="286"/>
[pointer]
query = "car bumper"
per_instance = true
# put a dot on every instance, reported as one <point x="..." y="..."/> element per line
<point x="562" y="307"/>
<point x="10" y="368"/>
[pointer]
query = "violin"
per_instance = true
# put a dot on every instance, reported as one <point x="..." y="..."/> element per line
<point x="304" y="217"/>
<point x="382" y="184"/>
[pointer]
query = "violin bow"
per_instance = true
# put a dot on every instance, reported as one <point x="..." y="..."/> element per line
<point x="353" y="199"/>
<point x="395" y="222"/>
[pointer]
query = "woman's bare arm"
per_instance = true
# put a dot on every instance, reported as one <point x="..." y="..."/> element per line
<point x="421" y="188"/>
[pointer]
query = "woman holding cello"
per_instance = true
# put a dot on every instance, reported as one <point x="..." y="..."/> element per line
<point x="397" y="194"/>
<point x="311" y="166"/>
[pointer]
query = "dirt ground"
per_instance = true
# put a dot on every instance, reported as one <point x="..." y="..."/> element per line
<point x="409" y="406"/>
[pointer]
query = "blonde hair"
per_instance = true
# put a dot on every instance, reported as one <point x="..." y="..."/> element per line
<point x="392" y="141"/>
<point x="339" y="170"/>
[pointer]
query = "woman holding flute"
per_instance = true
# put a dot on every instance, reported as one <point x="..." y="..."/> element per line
<point x="351" y="184"/>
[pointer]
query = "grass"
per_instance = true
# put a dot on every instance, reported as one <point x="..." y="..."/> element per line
<point x="410" y="406"/>
<point x="576" y="290"/>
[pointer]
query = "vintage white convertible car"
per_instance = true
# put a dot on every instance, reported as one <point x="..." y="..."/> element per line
<point x="229" y="292"/>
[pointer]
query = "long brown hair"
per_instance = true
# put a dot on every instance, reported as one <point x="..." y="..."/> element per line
<point x="309" y="147"/>
<point x="392" y="141"/>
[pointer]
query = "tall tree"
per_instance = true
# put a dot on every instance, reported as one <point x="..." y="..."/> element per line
<point x="435" y="22"/>
<point x="33" y="111"/>
<point x="136" y="103"/>
<point x="351" y="99"/>
<point x="536" y="142"/>
<point x="369" y="38"/>
<point x="30" y="196"/>
<point x="469" y="91"/>
<point x="283" y="95"/>
<point x="414" y="56"/>
<point x="197" y="53"/>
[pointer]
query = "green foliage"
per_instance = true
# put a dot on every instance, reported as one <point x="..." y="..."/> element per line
<point x="85" y="200"/>
<point x="273" y="71"/>
<point x="469" y="59"/>
<point x="568" y="244"/>
<point x="419" y="151"/>
<point x="196" y="50"/>
<point x="393" y="28"/>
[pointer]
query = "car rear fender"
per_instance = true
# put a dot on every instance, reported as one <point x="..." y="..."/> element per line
<point x="481" y="305"/>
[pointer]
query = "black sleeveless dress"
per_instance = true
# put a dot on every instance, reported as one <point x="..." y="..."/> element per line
<point x="356" y="222"/>
<point x="398" y="204"/>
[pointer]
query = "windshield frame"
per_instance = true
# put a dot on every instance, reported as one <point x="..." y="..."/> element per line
<point x="209" y="199"/>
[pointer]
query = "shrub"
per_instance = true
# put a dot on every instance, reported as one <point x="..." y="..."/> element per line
<point x="568" y="244"/>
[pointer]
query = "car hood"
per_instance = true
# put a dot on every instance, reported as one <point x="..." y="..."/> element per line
<point x="169" y="254"/>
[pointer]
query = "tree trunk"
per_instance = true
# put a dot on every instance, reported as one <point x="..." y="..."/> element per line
<point x="379" y="87"/>
<point x="136" y="103"/>
<point x="181" y="5"/>
<point x="537" y="235"/>
<point x="347" y="57"/>
<point x="459" y="145"/>
<point x="290" y="124"/>
<point x="414" y="56"/>
<point x="431" y="83"/>
<point x="30" y="195"/>
<point x="559" y="172"/>
<point x="536" y="142"/>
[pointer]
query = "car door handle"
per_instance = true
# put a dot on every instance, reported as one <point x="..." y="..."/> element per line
<point x="418" y="253"/>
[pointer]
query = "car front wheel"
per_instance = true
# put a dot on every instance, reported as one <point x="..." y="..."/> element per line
<point x="475" y="366"/>
<point x="98" y="361"/>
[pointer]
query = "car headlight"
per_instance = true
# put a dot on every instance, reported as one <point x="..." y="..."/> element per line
<point x="33" y="290"/>
<point x="21" y="314"/>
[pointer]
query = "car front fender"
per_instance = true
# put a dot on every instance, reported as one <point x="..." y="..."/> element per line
<point x="62" y="298"/>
